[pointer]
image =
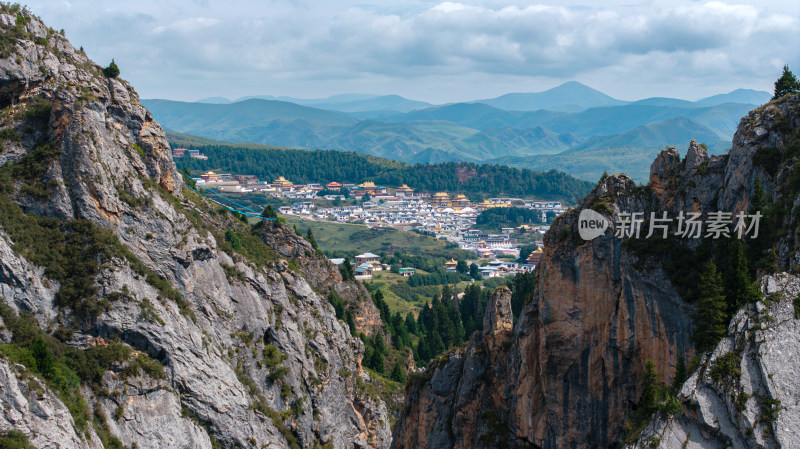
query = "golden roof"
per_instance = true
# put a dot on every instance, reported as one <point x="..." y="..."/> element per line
<point x="441" y="195"/>
<point x="367" y="184"/>
<point x="461" y="197"/>
<point x="404" y="187"/>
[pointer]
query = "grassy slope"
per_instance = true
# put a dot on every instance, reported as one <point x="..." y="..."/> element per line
<point x="359" y="238"/>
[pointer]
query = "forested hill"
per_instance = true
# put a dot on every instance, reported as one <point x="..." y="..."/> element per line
<point x="323" y="166"/>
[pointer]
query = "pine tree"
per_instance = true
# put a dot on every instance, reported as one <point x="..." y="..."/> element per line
<point x="758" y="202"/>
<point x="739" y="290"/>
<point x="423" y="350"/>
<point x="604" y="175"/>
<point x="681" y="373"/>
<point x="376" y="362"/>
<point x="649" y="389"/>
<point x="42" y="356"/>
<point x="269" y="212"/>
<point x="397" y="374"/>
<point x="378" y="344"/>
<point x="786" y="84"/>
<point x="350" y="320"/>
<point x="710" y="321"/>
<point x="461" y="267"/>
<point x="233" y="239"/>
<point x="523" y="288"/>
<point x="447" y="293"/>
<point x="474" y="272"/>
<point x="771" y="262"/>
<point x="312" y="240"/>
<point x="435" y="343"/>
<point x="411" y="323"/>
<point x="112" y="71"/>
<point x="346" y="268"/>
<point x="471" y="311"/>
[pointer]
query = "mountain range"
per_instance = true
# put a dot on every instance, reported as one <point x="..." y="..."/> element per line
<point x="570" y="127"/>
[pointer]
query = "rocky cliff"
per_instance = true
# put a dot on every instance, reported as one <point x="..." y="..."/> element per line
<point x="745" y="393"/>
<point x="572" y="369"/>
<point x="137" y="313"/>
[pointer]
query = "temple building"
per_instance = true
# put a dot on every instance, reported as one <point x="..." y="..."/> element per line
<point x="460" y="200"/>
<point x="282" y="183"/>
<point x="404" y="190"/>
<point x="369" y="187"/>
<point x="210" y="176"/>
<point x="441" y="199"/>
<point x="535" y="257"/>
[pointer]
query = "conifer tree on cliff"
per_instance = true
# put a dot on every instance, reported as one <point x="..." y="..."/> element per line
<point x="711" y="319"/>
<point x="786" y="84"/>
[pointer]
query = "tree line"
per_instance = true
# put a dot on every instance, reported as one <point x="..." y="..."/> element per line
<point x="497" y="217"/>
<point x="444" y="322"/>
<point x="324" y="166"/>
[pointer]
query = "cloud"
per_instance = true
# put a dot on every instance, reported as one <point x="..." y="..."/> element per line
<point x="271" y="43"/>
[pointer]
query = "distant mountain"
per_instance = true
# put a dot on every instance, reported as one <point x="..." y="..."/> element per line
<point x="618" y="119"/>
<point x="667" y="102"/>
<point x="471" y="115"/>
<point x="400" y="140"/>
<point x="630" y="152"/>
<point x="383" y="103"/>
<point x="507" y="141"/>
<point x="746" y="96"/>
<point x="473" y="132"/>
<point x="214" y="100"/>
<point x="675" y="132"/>
<point x="570" y="96"/>
<point x="259" y="121"/>
<point x="333" y="99"/>
<point x="343" y="102"/>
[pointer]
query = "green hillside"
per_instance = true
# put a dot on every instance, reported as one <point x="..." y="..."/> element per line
<point x="324" y="166"/>
<point x="340" y="238"/>
<point x="669" y="132"/>
<point x="615" y="155"/>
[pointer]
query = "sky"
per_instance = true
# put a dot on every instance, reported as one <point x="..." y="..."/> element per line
<point x="431" y="50"/>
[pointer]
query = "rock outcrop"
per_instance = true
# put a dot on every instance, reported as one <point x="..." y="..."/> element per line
<point x="455" y="403"/>
<point x="252" y="352"/>
<point x="572" y="369"/>
<point x="745" y="393"/>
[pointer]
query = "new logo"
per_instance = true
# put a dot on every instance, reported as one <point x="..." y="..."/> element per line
<point x="591" y="224"/>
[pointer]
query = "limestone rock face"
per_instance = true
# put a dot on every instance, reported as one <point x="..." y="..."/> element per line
<point x="574" y="366"/>
<point x="459" y="401"/>
<point x="108" y="163"/>
<point x="754" y="404"/>
<point x="664" y="170"/>
<point x="38" y="414"/>
<point x="695" y="156"/>
<point x="498" y="319"/>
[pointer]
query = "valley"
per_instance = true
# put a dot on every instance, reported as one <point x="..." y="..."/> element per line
<point x="374" y="272"/>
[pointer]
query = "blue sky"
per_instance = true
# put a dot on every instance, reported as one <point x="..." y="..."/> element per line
<point x="434" y="51"/>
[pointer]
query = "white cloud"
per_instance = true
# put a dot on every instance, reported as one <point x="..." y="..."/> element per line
<point x="178" y="49"/>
